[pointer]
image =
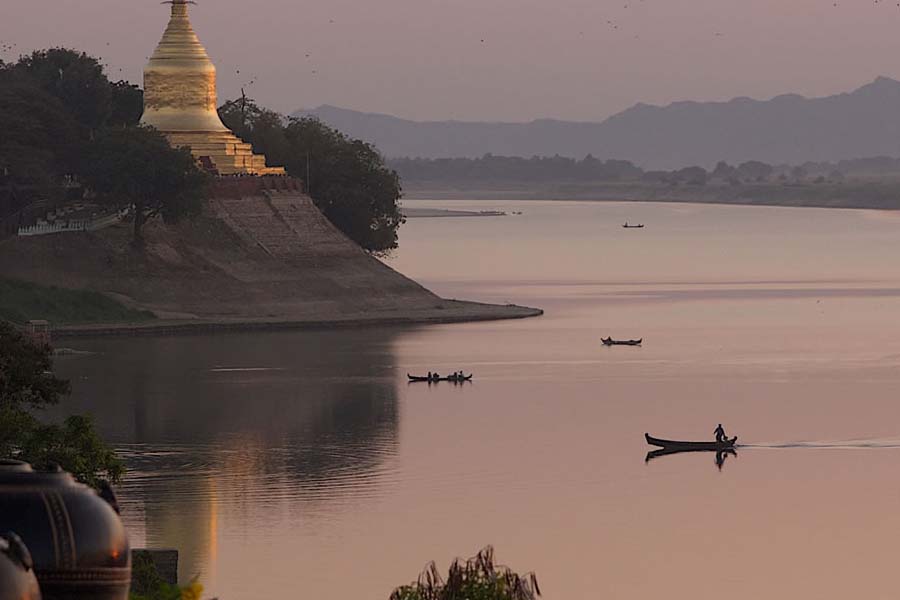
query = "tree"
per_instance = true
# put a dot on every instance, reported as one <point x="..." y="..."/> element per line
<point x="73" y="77"/>
<point x="136" y="167"/>
<point x="691" y="175"/>
<point x="39" y="135"/>
<point x="723" y="171"/>
<point x="347" y="179"/>
<point x="755" y="170"/>
<point x="26" y="384"/>
<point x="126" y="104"/>
<point x="25" y="368"/>
<point x="349" y="182"/>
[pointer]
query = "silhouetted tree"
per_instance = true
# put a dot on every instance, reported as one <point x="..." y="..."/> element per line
<point x="755" y="170"/>
<point x="137" y="167"/>
<point x="691" y="175"/>
<point x="38" y="139"/>
<point x="347" y="179"/>
<point x="75" y="78"/>
<point x="126" y="104"/>
<point x="723" y="171"/>
<point x="26" y="384"/>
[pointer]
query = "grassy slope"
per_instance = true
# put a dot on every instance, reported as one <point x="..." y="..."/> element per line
<point x="21" y="301"/>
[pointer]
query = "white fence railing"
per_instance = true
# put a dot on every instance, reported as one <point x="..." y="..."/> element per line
<point x="68" y="225"/>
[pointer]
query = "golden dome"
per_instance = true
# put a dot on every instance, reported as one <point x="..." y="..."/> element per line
<point x="180" y="101"/>
<point x="180" y="80"/>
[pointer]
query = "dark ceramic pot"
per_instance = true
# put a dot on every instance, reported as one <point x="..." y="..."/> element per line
<point x="79" y="546"/>
<point x="17" y="580"/>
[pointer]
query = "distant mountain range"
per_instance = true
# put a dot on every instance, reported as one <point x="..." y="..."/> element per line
<point x="786" y="129"/>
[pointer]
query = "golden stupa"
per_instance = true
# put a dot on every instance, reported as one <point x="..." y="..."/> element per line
<point x="180" y="101"/>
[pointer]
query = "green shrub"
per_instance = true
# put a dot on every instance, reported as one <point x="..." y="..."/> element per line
<point x="478" y="578"/>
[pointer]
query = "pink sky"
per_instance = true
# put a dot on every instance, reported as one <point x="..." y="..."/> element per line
<point x="425" y="59"/>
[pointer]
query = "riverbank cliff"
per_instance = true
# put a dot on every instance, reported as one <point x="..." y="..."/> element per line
<point x="254" y="259"/>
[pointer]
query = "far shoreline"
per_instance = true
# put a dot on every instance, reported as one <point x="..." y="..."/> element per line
<point x="864" y="195"/>
<point x="444" y="213"/>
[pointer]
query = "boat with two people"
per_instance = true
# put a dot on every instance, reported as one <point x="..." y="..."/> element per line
<point x="628" y="226"/>
<point x="608" y="341"/>
<point x="457" y="377"/>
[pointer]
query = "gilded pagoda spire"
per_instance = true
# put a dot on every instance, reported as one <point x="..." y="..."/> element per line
<point x="180" y="101"/>
<point x="180" y="80"/>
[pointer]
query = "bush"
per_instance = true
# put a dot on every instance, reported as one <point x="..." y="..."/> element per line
<point x="479" y="578"/>
<point x="27" y="384"/>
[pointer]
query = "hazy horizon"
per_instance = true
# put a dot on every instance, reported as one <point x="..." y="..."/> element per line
<point x="572" y="60"/>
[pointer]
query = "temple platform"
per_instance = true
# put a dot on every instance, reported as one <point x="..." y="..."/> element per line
<point x="229" y="154"/>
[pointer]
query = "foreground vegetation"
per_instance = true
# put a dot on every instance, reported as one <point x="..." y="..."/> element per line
<point x="28" y="386"/>
<point x="146" y="584"/>
<point x="478" y="578"/>
<point x="21" y="301"/>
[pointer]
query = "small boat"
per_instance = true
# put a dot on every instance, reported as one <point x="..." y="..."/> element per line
<point x="611" y="342"/>
<point x="638" y="226"/>
<point x="677" y="446"/>
<point x="451" y="378"/>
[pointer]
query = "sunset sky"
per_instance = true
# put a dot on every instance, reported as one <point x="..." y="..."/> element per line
<point x="491" y="59"/>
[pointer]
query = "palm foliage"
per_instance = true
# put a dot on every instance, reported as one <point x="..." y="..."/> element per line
<point x="478" y="578"/>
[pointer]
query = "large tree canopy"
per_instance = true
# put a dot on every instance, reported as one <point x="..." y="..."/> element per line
<point x="137" y="167"/>
<point x="38" y="138"/>
<point x="347" y="179"/>
<point x="79" y="82"/>
<point x="61" y="116"/>
<point x="52" y="103"/>
<point x="75" y="78"/>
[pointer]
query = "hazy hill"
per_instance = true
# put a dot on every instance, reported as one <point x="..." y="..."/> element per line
<point x="785" y="129"/>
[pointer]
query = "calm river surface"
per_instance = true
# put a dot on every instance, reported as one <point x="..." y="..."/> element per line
<point x="302" y="465"/>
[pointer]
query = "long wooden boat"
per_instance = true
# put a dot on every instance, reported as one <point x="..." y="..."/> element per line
<point x="611" y="342"/>
<point x="433" y="379"/>
<point x="675" y="445"/>
<point x="638" y="226"/>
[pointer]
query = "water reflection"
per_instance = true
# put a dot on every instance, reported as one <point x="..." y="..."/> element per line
<point x="537" y="456"/>
<point x="244" y="429"/>
<point x="721" y="455"/>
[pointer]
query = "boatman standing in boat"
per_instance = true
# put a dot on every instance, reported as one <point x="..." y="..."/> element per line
<point x="720" y="434"/>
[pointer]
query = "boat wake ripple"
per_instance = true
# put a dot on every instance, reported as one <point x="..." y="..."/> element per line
<point x="864" y="444"/>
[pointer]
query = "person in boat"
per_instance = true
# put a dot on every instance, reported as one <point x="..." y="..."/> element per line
<point x="720" y="434"/>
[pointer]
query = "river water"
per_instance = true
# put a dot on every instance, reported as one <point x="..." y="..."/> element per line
<point x="302" y="464"/>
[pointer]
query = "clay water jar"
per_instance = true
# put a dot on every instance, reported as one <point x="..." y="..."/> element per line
<point x="17" y="580"/>
<point x="77" y="542"/>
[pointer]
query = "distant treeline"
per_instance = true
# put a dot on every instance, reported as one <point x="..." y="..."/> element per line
<point x="491" y="168"/>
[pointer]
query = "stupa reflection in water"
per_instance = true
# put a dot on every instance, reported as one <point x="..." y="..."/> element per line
<point x="235" y="431"/>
